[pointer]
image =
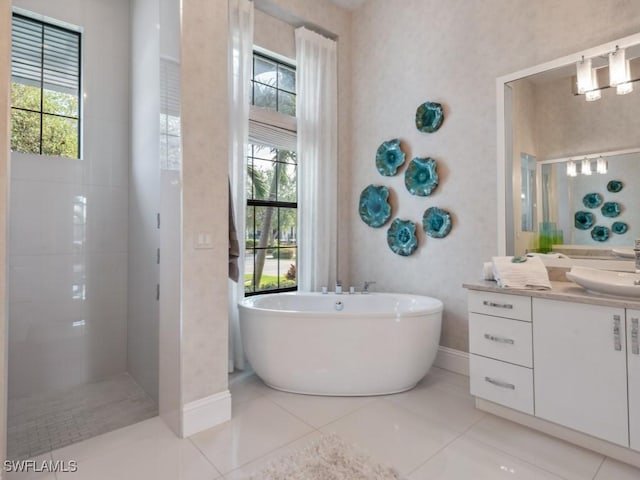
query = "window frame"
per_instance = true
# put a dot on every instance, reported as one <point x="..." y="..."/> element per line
<point x="260" y="54"/>
<point x="282" y="121"/>
<point x="44" y="23"/>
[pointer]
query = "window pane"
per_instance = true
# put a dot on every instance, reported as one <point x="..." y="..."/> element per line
<point x="249" y="285"/>
<point x="264" y="152"/>
<point x="266" y="225"/>
<point x="25" y="131"/>
<point x="59" y="136"/>
<point x="262" y="180"/>
<point x="264" y="71"/>
<point x="265" y="96"/>
<point x="286" y="78"/>
<point x="287" y="182"/>
<point x="25" y="96"/>
<point x="60" y="103"/>
<point x="287" y="266"/>
<point x="288" y="226"/>
<point x="287" y="103"/>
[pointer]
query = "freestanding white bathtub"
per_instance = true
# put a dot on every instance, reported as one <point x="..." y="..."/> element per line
<point x="331" y="344"/>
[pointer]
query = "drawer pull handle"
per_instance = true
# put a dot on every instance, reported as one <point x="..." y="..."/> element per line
<point x="495" y="338"/>
<point x="617" y="342"/>
<point x="487" y="303"/>
<point x="499" y="383"/>
<point x="635" y="346"/>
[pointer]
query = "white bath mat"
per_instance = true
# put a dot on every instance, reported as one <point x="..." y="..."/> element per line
<point x="327" y="458"/>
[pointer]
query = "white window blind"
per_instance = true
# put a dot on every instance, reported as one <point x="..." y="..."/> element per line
<point x="272" y="129"/>
<point x="45" y="55"/>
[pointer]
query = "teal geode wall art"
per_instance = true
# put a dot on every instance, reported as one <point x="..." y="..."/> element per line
<point x="420" y="178"/>
<point x="389" y="157"/>
<point x="584" y="220"/>
<point x="374" y="208"/>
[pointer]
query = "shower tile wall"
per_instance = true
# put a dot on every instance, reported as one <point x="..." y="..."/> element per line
<point x="68" y="223"/>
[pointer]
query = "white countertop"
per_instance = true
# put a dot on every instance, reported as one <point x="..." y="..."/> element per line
<point x="567" y="291"/>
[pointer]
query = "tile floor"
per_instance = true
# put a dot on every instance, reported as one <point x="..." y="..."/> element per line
<point x="432" y="432"/>
<point x="43" y="422"/>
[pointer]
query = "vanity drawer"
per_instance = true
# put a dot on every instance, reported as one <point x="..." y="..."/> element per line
<point x="502" y="383"/>
<point x="500" y="305"/>
<point x="501" y="338"/>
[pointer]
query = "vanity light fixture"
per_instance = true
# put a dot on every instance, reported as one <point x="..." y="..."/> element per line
<point x="587" y="80"/>
<point x="624" y="88"/>
<point x="584" y="75"/>
<point x="595" y="93"/>
<point x="618" y="67"/>
<point x="572" y="171"/>
<point x="601" y="165"/>
<point x="586" y="167"/>
<point x="620" y="72"/>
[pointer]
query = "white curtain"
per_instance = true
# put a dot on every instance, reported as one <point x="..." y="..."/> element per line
<point x="240" y="65"/>
<point x="317" y="107"/>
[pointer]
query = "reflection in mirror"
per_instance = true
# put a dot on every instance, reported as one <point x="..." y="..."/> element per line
<point x="548" y="123"/>
<point x="579" y="202"/>
<point x="528" y="192"/>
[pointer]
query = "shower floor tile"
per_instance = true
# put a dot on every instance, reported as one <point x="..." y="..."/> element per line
<point x="40" y="423"/>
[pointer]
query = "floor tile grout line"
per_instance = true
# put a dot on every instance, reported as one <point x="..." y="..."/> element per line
<point x="373" y="399"/>
<point x="460" y="435"/>
<point x="599" y="468"/>
<point x="435" y="422"/>
<point x="207" y="459"/>
<point x="290" y="413"/>
<point x="270" y="452"/>
<point x="524" y="460"/>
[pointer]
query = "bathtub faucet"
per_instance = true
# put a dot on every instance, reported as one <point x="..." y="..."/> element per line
<point x="367" y="284"/>
<point x="339" y="287"/>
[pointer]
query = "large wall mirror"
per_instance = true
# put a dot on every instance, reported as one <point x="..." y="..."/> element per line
<point x="569" y="154"/>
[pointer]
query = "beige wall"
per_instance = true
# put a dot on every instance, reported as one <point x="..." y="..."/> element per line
<point x="274" y="34"/>
<point x="408" y="51"/>
<point x="205" y="197"/>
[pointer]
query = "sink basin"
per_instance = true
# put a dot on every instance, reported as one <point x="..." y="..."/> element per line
<point x="623" y="252"/>
<point x="620" y="284"/>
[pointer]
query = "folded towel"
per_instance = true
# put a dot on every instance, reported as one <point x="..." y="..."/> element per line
<point x="524" y="274"/>
<point x="547" y="255"/>
<point x="487" y="271"/>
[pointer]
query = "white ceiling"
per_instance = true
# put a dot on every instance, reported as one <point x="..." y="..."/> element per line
<point x="349" y="4"/>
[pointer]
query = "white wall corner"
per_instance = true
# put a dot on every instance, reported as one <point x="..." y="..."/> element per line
<point x="454" y="360"/>
<point x="205" y="413"/>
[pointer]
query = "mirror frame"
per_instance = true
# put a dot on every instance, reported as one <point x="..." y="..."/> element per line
<point x="504" y="208"/>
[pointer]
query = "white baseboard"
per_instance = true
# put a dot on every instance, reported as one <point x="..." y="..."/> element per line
<point x="206" y="413"/>
<point x="454" y="360"/>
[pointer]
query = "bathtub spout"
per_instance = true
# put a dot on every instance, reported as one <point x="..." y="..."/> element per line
<point x="367" y="284"/>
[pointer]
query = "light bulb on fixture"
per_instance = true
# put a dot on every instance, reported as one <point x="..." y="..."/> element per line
<point x="618" y="68"/>
<point x="601" y="165"/>
<point x="586" y="167"/>
<point x="624" y="88"/>
<point x="595" y="93"/>
<point x="583" y="75"/>
<point x="571" y="169"/>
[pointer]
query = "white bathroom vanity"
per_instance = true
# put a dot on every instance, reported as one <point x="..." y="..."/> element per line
<point x="563" y="361"/>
